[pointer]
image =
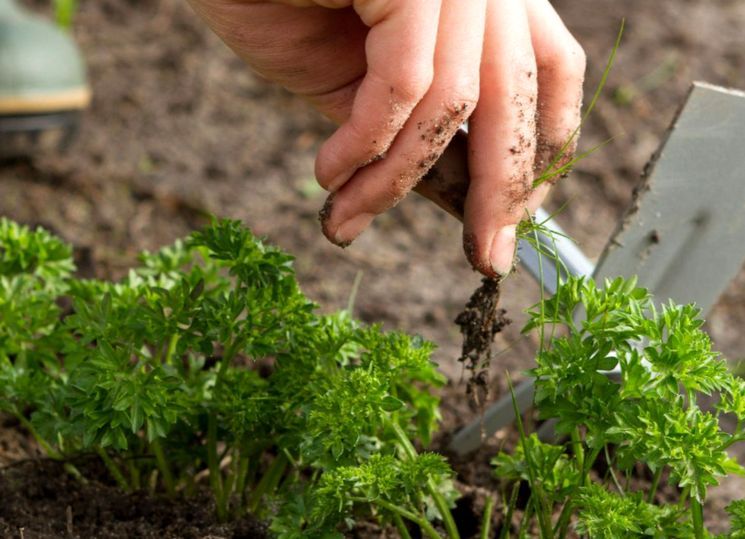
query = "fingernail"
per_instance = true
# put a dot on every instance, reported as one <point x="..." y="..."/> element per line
<point x="352" y="228"/>
<point x="340" y="180"/>
<point x="502" y="254"/>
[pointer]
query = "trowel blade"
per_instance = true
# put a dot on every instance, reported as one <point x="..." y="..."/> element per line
<point x="684" y="235"/>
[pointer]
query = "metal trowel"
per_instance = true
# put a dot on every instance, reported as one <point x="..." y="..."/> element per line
<point x="683" y="236"/>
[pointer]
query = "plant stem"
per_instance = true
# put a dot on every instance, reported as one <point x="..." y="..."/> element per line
<point x="134" y="474"/>
<point x="486" y="521"/>
<point x="683" y="498"/>
<point x="527" y="515"/>
<point x="562" y="525"/>
<point x="48" y="449"/>
<point x="165" y="470"/>
<point x="52" y="453"/>
<point x="422" y="522"/>
<point x="733" y="440"/>
<point x="64" y="12"/>
<point x="584" y="464"/>
<point x="402" y="530"/>
<point x="440" y="502"/>
<point x="73" y="471"/>
<point x="542" y="513"/>
<point x="655" y="484"/>
<point x="227" y="358"/>
<point x="113" y="469"/>
<point x="697" y="513"/>
<point x="227" y="489"/>
<point x="268" y="482"/>
<point x="589" y="462"/>
<point x="240" y="482"/>
<point x="190" y="484"/>
<point x="171" y="348"/>
<point x="579" y="453"/>
<point x="507" y="520"/>
<point x="612" y="473"/>
<point x="214" y="466"/>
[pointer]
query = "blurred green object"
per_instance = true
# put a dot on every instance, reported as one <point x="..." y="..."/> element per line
<point x="64" y="12"/>
<point x="43" y="86"/>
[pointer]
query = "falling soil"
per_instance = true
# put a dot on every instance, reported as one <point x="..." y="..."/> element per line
<point x="479" y="323"/>
<point x="179" y="130"/>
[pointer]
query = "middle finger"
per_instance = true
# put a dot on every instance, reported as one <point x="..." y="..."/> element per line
<point x="449" y="102"/>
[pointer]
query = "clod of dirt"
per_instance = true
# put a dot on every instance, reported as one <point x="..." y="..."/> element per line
<point x="479" y="323"/>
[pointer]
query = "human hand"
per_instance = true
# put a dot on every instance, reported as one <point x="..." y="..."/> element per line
<point x="400" y="77"/>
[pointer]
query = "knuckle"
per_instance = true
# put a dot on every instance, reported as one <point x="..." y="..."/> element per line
<point x="575" y="60"/>
<point x="369" y="140"/>
<point x="396" y="191"/>
<point x="525" y="76"/>
<point x="358" y="129"/>
<point x="464" y="93"/>
<point x="524" y="64"/>
<point x="570" y="60"/>
<point x="413" y="84"/>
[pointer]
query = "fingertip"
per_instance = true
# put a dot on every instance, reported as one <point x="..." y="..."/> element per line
<point x="477" y="255"/>
<point x="339" y="180"/>
<point x="348" y="231"/>
<point x="329" y="174"/>
<point x="324" y="217"/>
<point x="502" y="252"/>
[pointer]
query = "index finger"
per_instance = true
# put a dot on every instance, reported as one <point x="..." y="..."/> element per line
<point x="400" y="48"/>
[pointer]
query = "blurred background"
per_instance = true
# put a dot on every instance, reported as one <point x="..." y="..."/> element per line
<point x="179" y="129"/>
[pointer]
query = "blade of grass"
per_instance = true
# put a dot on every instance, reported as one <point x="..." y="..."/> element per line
<point x="550" y="172"/>
<point x="353" y="293"/>
<point x="529" y="230"/>
<point x="544" y="517"/>
<point x="486" y="521"/>
<point x="507" y="521"/>
<point x="612" y="473"/>
<point x="567" y="167"/>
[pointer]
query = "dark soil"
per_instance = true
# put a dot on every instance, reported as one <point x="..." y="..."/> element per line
<point x="179" y="129"/>
<point x="479" y="323"/>
<point x="40" y="501"/>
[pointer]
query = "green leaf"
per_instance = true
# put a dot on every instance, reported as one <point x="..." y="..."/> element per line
<point x="210" y="348"/>
<point x="391" y="404"/>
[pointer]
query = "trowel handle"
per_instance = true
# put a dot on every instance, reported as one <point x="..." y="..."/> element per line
<point x="446" y="184"/>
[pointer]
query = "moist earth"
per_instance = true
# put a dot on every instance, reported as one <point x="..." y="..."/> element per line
<point x="179" y="130"/>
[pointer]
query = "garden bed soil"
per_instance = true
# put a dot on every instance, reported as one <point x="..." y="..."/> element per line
<point x="179" y="129"/>
<point x="54" y="504"/>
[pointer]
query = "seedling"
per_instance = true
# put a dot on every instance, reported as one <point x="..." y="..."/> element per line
<point x="651" y="417"/>
<point x="681" y="237"/>
<point x="159" y="375"/>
